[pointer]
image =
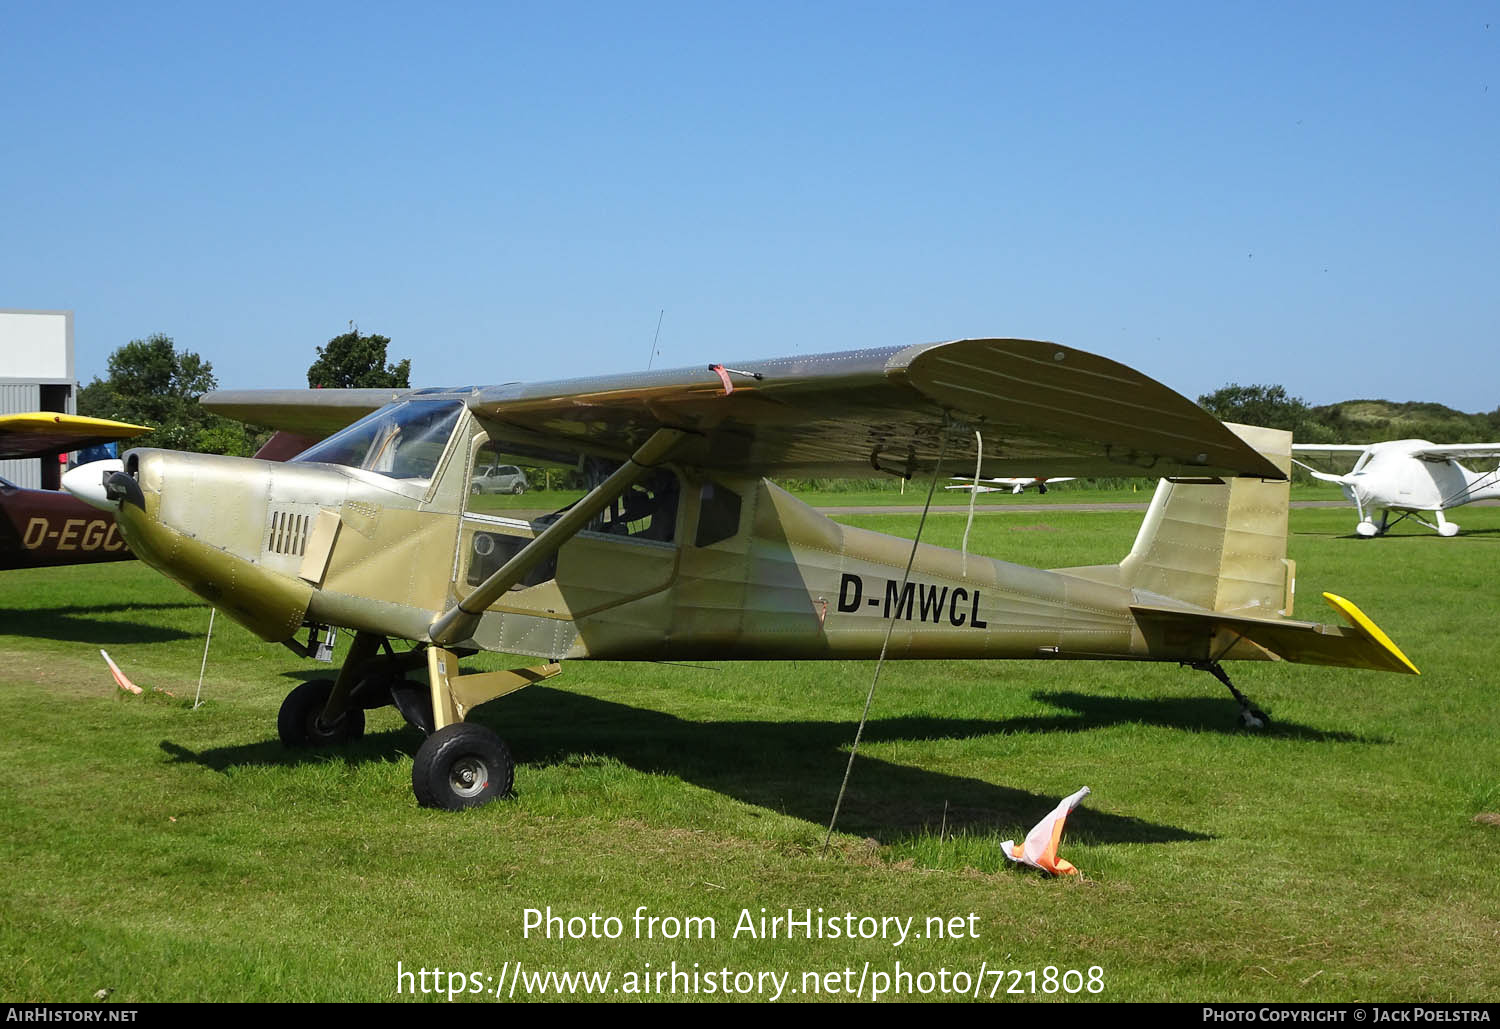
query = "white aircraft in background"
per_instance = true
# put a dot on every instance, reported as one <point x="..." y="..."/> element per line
<point x="1016" y="486"/>
<point x="1407" y="476"/>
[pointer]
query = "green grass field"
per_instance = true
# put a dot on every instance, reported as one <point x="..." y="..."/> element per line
<point x="166" y="853"/>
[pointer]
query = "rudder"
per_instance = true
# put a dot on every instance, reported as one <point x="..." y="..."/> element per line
<point x="1221" y="546"/>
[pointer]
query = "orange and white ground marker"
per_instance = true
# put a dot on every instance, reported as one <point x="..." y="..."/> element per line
<point x="114" y="669"/>
<point x="1040" y="848"/>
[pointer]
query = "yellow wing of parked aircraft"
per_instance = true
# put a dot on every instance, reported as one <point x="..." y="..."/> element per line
<point x="682" y="549"/>
<point x="44" y="433"/>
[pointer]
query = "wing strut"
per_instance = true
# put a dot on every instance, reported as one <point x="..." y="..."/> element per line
<point x="459" y="622"/>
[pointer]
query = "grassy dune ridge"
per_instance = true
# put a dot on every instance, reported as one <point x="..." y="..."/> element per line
<point x="166" y="853"/>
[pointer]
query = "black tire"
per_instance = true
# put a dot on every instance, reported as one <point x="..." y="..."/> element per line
<point x="299" y="722"/>
<point x="461" y="766"/>
<point x="518" y="489"/>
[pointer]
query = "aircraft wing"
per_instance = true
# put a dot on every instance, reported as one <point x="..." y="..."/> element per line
<point x="42" y="433"/>
<point x="847" y="414"/>
<point x="1336" y="455"/>
<point x="1458" y="451"/>
<point x="840" y="414"/>
<point x="313" y="413"/>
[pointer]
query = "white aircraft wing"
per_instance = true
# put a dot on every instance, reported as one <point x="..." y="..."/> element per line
<point x="1458" y="451"/>
<point x="1335" y="455"/>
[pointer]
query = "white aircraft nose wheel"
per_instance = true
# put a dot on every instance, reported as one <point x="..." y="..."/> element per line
<point x="1366" y="529"/>
<point x="461" y="766"/>
<point x="300" y="721"/>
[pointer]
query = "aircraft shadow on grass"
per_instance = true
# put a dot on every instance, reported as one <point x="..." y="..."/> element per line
<point x="792" y="767"/>
<point x="83" y="624"/>
<point x="1194" y="714"/>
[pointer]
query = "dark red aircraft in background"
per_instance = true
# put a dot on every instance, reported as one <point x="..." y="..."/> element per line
<point x="40" y="528"/>
<point x="44" y="527"/>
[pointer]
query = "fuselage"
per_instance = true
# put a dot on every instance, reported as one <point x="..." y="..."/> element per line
<point x="687" y="565"/>
<point x="42" y="528"/>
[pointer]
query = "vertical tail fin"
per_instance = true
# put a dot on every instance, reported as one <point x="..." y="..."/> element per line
<point x="1220" y="546"/>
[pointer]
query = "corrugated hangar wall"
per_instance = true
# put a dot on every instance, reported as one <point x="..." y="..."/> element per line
<point x="36" y="374"/>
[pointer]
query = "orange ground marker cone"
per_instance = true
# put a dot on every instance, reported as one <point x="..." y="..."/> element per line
<point x="1040" y="848"/>
<point x="114" y="669"/>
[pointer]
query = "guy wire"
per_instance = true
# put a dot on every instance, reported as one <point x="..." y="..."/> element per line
<point x="937" y="470"/>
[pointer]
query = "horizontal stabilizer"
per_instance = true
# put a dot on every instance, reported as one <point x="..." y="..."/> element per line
<point x="1361" y="645"/>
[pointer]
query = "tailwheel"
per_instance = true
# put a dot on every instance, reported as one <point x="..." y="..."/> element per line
<point x="461" y="766"/>
<point x="300" y="722"/>
<point x="1251" y="717"/>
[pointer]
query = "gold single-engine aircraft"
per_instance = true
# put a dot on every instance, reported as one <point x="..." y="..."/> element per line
<point x="681" y="549"/>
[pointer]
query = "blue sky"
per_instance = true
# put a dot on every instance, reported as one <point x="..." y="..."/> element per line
<point x="1303" y="194"/>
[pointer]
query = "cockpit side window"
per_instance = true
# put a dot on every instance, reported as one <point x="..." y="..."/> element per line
<point x="404" y="440"/>
<point x="645" y="511"/>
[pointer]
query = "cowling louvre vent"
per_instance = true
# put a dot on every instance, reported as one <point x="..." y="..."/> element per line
<point x="288" y="533"/>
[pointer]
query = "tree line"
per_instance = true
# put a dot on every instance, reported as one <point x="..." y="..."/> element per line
<point x="1349" y="421"/>
<point x="151" y="382"/>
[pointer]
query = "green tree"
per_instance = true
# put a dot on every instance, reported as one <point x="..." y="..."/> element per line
<point x="153" y="383"/>
<point x="1267" y="405"/>
<point x="357" y="361"/>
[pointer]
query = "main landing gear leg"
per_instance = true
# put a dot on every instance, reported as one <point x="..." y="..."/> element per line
<point x="461" y="764"/>
<point x="328" y="712"/>
<point x="1251" y="717"/>
<point x="321" y="712"/>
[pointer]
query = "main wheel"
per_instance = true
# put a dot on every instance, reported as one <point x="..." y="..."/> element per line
<point x="300" y="722"/>
<point x="461" y="766"/>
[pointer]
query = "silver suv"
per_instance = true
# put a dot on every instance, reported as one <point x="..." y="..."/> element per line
<point x="499" y="478"/>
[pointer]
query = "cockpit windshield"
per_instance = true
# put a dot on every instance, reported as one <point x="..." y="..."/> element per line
<point x="404" y="440"/>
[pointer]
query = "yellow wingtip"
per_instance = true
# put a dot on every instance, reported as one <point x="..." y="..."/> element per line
<point x="1361" y="621"/>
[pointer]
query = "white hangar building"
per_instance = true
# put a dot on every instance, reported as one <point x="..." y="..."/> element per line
<point x="36" y="374"/>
